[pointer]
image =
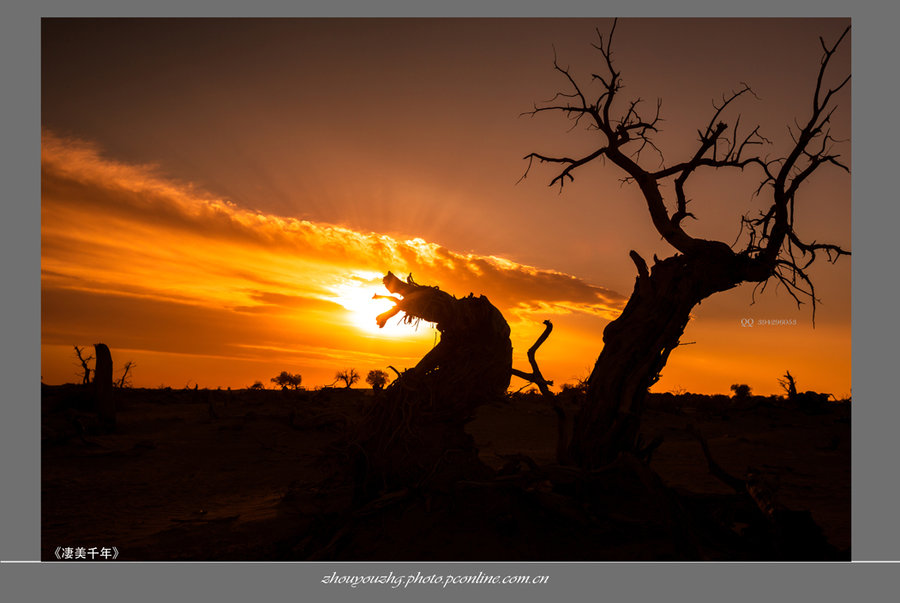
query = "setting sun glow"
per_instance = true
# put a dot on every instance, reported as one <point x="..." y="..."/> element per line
<point x="356" y="297"/>
<point x="216" y="221"/>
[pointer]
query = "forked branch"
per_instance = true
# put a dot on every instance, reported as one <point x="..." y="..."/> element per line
<point x="535" y="375"/>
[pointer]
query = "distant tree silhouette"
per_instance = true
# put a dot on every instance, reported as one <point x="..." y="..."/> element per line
<point x="377" y="379"/>
<point x="789" y="385"/>
<point x="348" y="376"/>
<point x="287" y="380"/>
<point x="638" y="343"/>
<point x="741" y="390"/>
<point x="572" y="387"/>
<point x="257" y="385"/>
<point x="124" y="381"/>
<point x="86" y="370"/>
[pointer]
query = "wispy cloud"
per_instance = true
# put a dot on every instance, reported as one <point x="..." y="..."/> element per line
<point x="124" y="225"/>
<point x="165" y="267"/>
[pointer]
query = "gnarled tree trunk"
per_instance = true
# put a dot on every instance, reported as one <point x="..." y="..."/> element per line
<point x="637" y="345"/>
<point x="414" y="434"/>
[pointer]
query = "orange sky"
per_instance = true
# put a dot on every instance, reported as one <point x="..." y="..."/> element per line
<point x="221" y="198"/>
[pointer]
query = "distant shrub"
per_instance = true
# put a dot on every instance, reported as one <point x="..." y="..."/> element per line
<point x="741" y="390"/>
<point x="377" y="379"/>
<point x="287" y="380"/>
<point x="257" y="385"/>
<point x="580" y="386"/>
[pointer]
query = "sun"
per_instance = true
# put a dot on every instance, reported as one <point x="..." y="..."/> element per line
<point x="362" y="309"/>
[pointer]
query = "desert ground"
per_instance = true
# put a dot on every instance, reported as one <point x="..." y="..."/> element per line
<point x="259" y="475"/>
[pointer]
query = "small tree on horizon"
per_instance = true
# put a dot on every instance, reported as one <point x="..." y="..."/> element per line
<point x="86" y="375"/>
<point x="124" y="381"/>
<point x="741" y="390"/>
<point x="789" y="385"/>
<point x="377" y="379"/>
<point x="287" y="380"/>
<point x="348" y="376"/>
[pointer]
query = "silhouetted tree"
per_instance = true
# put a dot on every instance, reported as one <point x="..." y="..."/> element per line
<point x="638" y="343"/>
<point x="789" y="385"/>
<point x="348" y="376"/>
<point x="287" y="380"/>
<point x="86" y="374"/>
<point x="678" y="390"/>
<point x="415" y="433"/>
<point x="578" y="387"/>
<point x="741" y="390"/>
<point x="257" y="385"/>
<point x="377" y="379"/>
<point x="124" y="381"/>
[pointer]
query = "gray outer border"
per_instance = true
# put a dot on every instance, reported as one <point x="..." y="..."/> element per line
<point x="875" y="493"/>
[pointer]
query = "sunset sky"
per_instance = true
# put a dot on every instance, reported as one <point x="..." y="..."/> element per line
<point x="220" y="198"/>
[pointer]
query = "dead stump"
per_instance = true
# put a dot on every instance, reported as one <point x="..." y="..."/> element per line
<point x="413" y="435"/>
<point x="104" y="403"/>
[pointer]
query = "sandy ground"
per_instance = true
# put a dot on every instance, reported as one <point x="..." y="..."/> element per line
<point x="197" y="475"/>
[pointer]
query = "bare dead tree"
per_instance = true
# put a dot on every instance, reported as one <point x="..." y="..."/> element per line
<point x="789" y="385"/>
<point x="86" y="375"/>
<point x="124" y="381"/>
<point x="638" y="343"/>
<point x="348" y="376"/>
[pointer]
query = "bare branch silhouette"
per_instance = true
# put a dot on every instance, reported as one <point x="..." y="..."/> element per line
<point x="535" y="375"/>
<point x="638" y="343"/>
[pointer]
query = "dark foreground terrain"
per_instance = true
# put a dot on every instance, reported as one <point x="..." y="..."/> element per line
<point x="261" y="475"/>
